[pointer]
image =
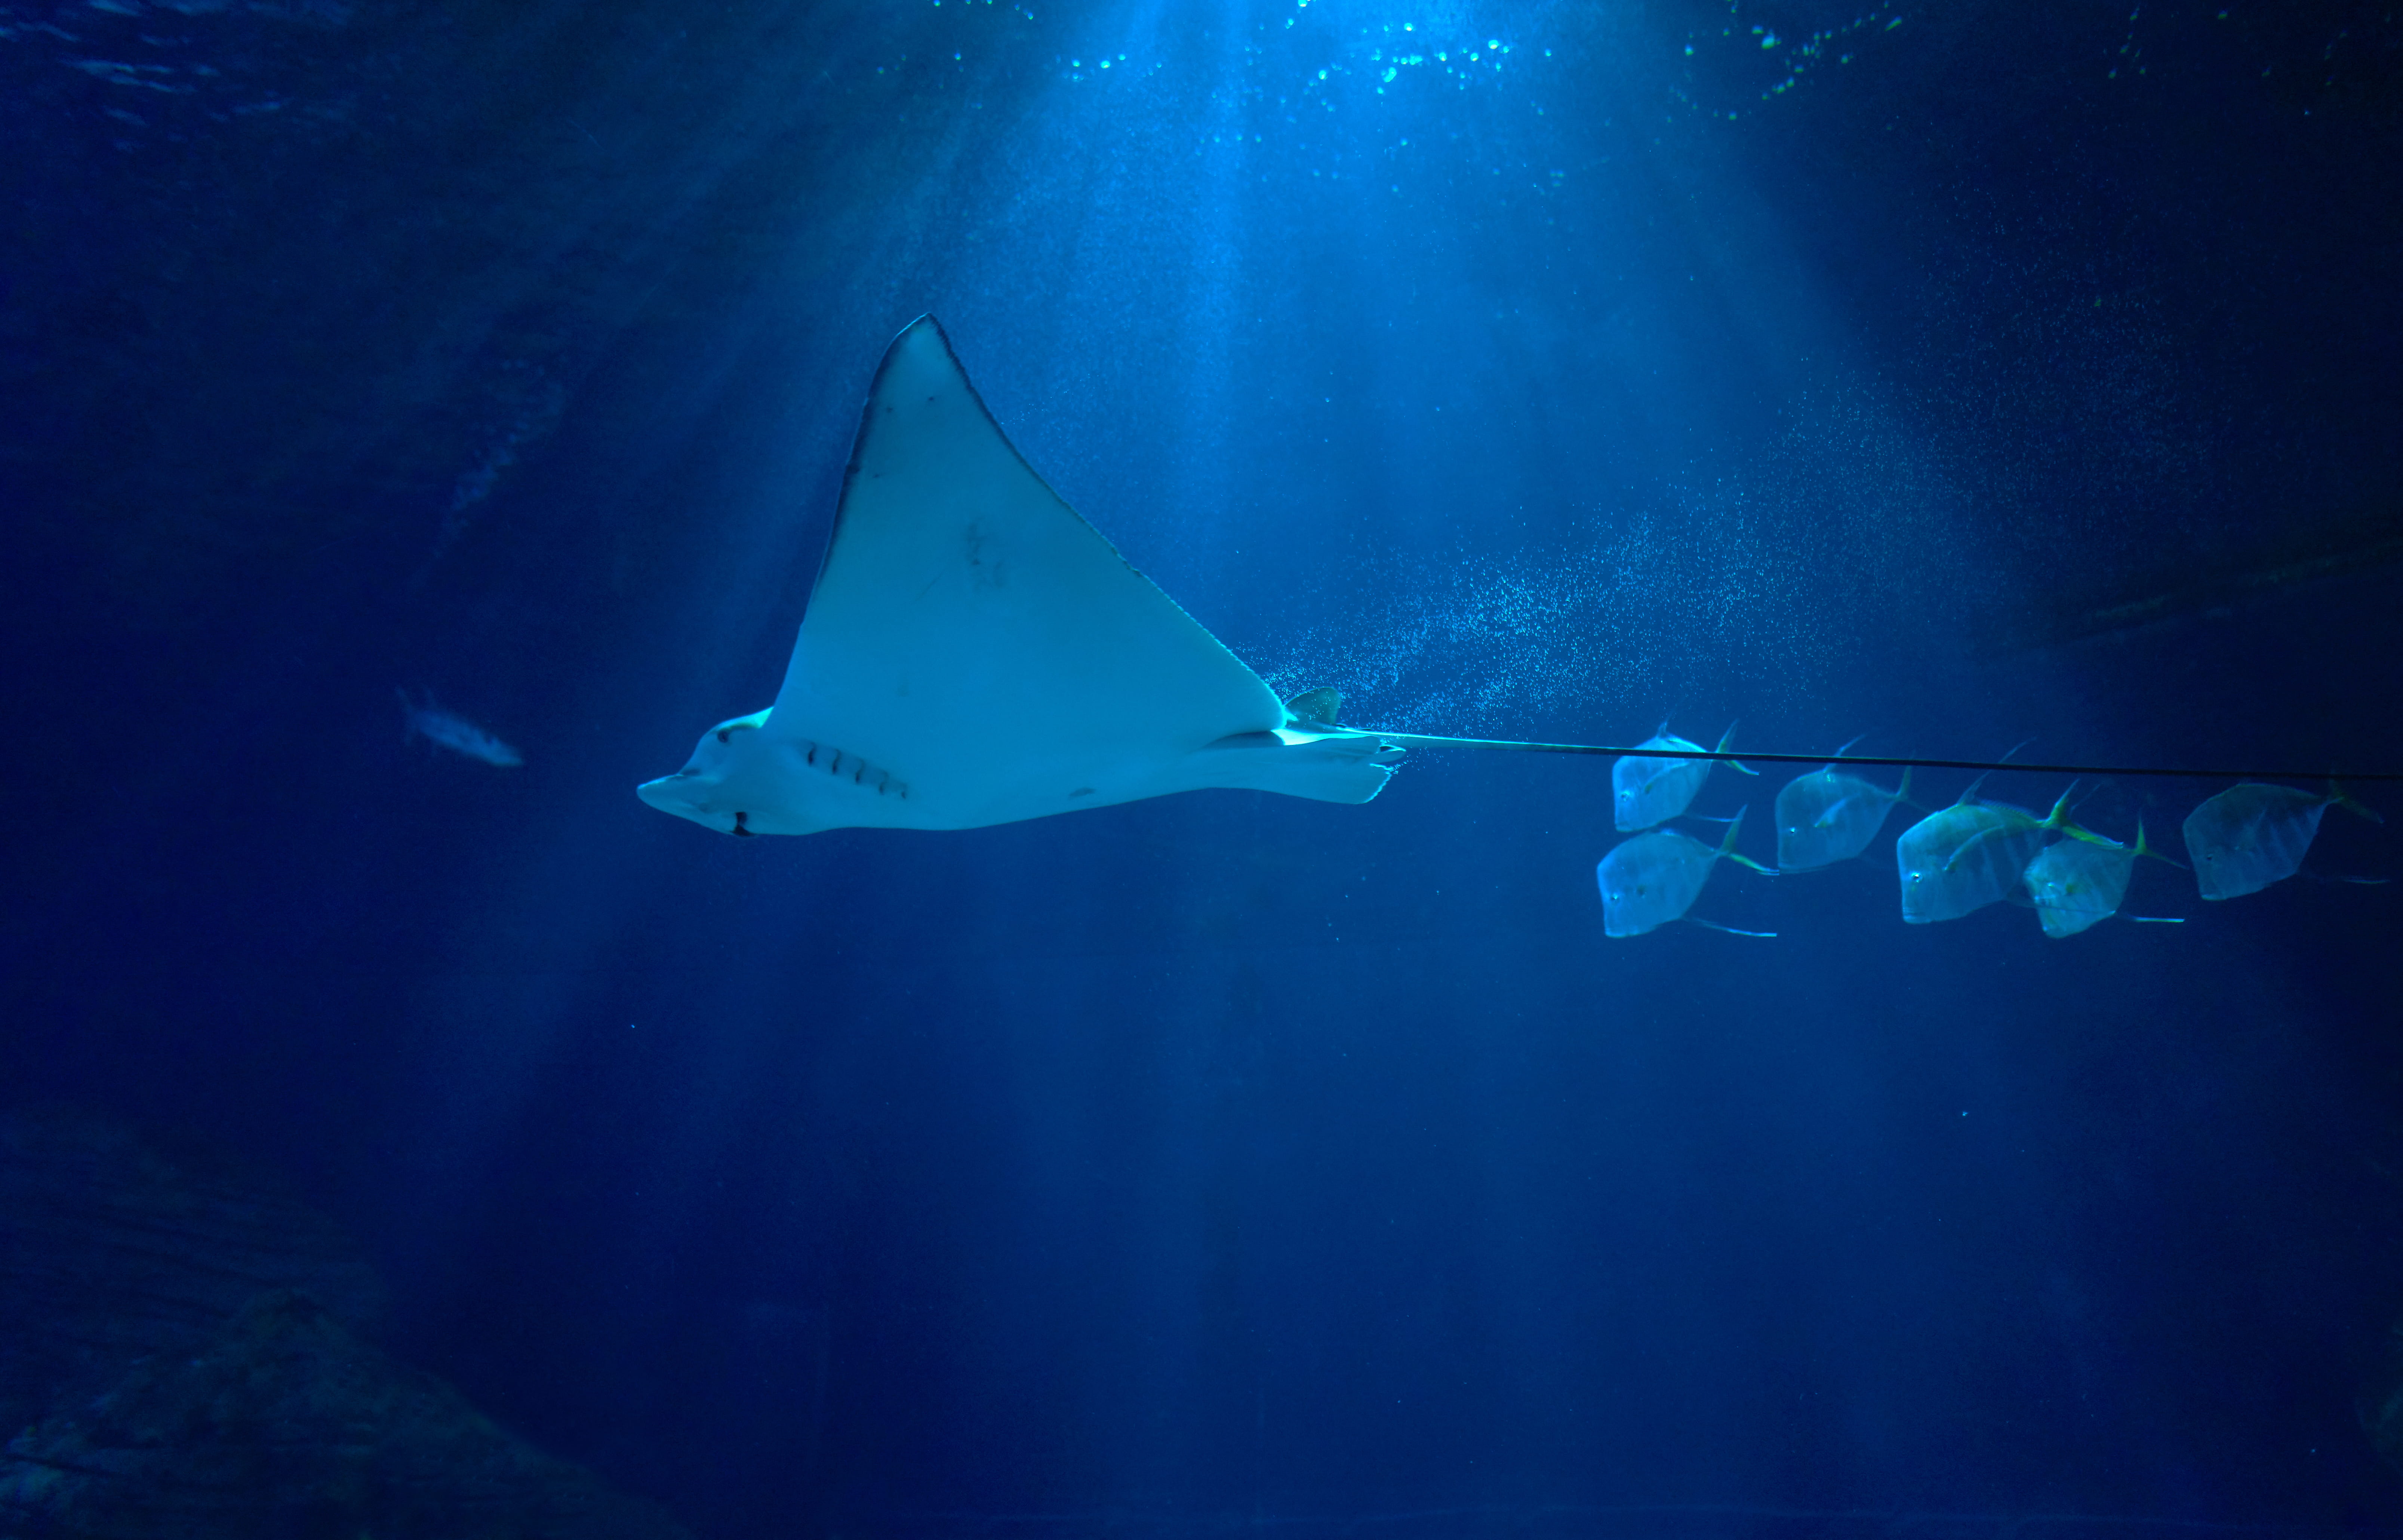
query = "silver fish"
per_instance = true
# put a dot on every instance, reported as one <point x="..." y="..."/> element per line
<point x="2079" y="882"/>
<point x="450" y="730"/>
<point x="1828" y="816"/>
<point x="1655" y="877"/>
<point x="1963" y="857"/>
<point x="1645" y="791"/>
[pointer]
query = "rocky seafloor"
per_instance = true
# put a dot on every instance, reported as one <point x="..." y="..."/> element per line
<point x="187" y="1354"/>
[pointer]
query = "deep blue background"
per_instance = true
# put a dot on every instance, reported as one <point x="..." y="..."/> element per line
<point x="1231" y="1154"/>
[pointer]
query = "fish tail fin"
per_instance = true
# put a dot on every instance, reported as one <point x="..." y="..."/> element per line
<point x="1725" y="739"/>
<point x="1731" y="929"/>
<point x="2338" y="795"/>
<point x="2058" y="821"/>
<point x="2144" y="849"/>
<point x="1902" y="792"/>
<point x="1727" y="846"/>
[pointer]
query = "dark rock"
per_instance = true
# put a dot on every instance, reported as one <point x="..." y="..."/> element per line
<point x="112" y="1250"/>
<point x="180" y="1345"/>
<point x="289" y="1425"/>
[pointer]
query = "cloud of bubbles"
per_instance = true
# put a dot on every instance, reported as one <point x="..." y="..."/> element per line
<point x="1836" y="547"/>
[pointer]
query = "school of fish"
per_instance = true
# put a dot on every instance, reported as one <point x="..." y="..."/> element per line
<point x="1954" y="861"/>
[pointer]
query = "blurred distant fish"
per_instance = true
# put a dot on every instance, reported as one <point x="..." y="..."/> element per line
<point x="450" y="730"/>
<point x="2254" y="834"/>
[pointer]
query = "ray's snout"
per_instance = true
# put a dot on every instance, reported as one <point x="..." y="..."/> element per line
<point x="680" y="794"/>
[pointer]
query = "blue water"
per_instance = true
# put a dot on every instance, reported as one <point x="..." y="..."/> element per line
<point x="1230" y="1162"/>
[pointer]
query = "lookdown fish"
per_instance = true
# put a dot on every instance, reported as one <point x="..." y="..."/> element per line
<point x="1645" y="792"/>
<point x="1655" y="877"/>
<point x="450" y="730"/>
<point x="2254" y="834"/>
<point x="1828" y="816"/>
<point x="2077" y="883"/>
<point x="1967" y="855"/>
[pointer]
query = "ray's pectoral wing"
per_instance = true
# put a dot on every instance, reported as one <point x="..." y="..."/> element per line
<point x="973" y="634"/>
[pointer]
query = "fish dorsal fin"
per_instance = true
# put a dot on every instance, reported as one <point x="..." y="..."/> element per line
<point x="1970" y="794"/>
<point x="1319" y="706"/>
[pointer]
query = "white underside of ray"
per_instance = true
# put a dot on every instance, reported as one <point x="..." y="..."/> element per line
<point x="974" y="652"/>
